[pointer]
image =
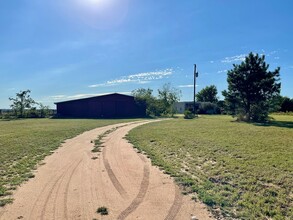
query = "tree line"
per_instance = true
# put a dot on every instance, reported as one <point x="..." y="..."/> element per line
<point x="162" y="105"/>
<point x="23" y="106"/>
<point x="253" y="92"/>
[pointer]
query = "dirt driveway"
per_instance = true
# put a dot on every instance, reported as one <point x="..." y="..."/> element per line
<point x="72" y="184"/>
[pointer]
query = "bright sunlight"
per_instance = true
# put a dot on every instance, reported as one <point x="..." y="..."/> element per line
<point x="97" y="3"/>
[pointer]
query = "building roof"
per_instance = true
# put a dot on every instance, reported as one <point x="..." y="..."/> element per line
<point x="110" y="94"/>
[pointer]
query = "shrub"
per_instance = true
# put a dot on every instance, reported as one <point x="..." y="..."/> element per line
<point x="208" y="108"/>
<point x="188" y="114"/>
<point x="102" y="210"/>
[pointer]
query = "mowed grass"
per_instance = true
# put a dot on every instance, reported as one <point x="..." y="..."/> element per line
<point x="24" y="143"/>
<point x="240" y="170"/>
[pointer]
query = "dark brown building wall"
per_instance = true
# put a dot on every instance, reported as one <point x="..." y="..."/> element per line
<point x="107" y="106"/>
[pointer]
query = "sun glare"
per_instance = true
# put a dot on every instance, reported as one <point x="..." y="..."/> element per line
<point x="95" y="2"/>
<point x="100" y="13"/>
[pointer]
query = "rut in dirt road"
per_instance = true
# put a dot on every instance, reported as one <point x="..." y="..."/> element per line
<point x="140" y="196"/>
<point x="72" y="185"/>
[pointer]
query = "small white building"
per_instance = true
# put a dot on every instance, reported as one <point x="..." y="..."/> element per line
<point x="180" y="107"/>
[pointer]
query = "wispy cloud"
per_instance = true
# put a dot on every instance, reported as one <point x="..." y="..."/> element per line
<point x="139" y="78"/>
<point x="222" y="71"/>
<point x="271" y="53"/>
<point x="78" y="96"/>
<point x="241" y="57"/>
<point x="236" y="58"/>
<point x="57" y="97"/>
<point x="186" y="86"/>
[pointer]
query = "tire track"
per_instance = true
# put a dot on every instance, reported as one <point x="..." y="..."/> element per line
<point x="55" y="199"/>
<point x="43" y="212"/>
<point x="173" y="211"/>
<point x="140" y="196"/>
<point x="54" y="182"/>
<point x="107" y="165"/>
<point x="67" y="189"/>
<point x="113" y="178"/>
<point x="72" y="185"/>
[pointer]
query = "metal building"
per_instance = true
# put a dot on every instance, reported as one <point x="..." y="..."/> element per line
<point x="105" y="106"/>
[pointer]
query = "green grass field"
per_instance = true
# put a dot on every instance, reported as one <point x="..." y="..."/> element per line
<point x="240" y="170"/>
<point x="24" y="143"/>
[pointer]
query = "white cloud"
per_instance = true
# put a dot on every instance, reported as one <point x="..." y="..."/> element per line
<point x="212" y="61"/>
<point x="140" y="78"/>
<point x="271" y="53"/>
<point x="236" y="58"/>
<point x="78" y="96"/>
<point x="187" y="86"/>
<point x="241" y="57"/>
<point x="222" y="71"/>
<point x="57" y="97"/>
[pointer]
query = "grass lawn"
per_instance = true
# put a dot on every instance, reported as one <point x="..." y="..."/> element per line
<point x="24" y="143"/>
<point x="240" y="170"/>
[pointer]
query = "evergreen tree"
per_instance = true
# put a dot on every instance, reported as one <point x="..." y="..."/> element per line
<point x="251" y="87"/>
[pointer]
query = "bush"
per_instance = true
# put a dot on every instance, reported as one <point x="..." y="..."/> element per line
<point x="208" y="108"/>
<point x="188" y="114"/>
<point x="102" y="210"/>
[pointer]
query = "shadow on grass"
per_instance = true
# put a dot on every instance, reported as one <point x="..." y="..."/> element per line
<point x="281" y="124"/>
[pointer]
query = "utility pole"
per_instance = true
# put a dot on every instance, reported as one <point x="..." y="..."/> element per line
<point x="194" y="86"/>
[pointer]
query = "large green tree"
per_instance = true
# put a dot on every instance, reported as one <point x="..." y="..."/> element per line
<point x="145" y="98"/>
<point x="157" y="106"/>
<point x="21" y="102"/>
<point x="208" y="94"/>
<point x="168" y="95"/>
<point x="251" y="87"/>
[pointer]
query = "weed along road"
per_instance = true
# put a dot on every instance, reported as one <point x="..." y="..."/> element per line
<point x="99" y="168"/>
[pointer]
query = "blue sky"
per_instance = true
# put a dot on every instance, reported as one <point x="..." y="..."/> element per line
<point x="76" y="48"/>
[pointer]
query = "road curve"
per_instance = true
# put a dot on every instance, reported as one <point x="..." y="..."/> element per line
<point x="74" y="182"/>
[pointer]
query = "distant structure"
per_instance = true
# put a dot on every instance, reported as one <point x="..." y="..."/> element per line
<point x="105" y="106"/>
<point x="180" y="107"/>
